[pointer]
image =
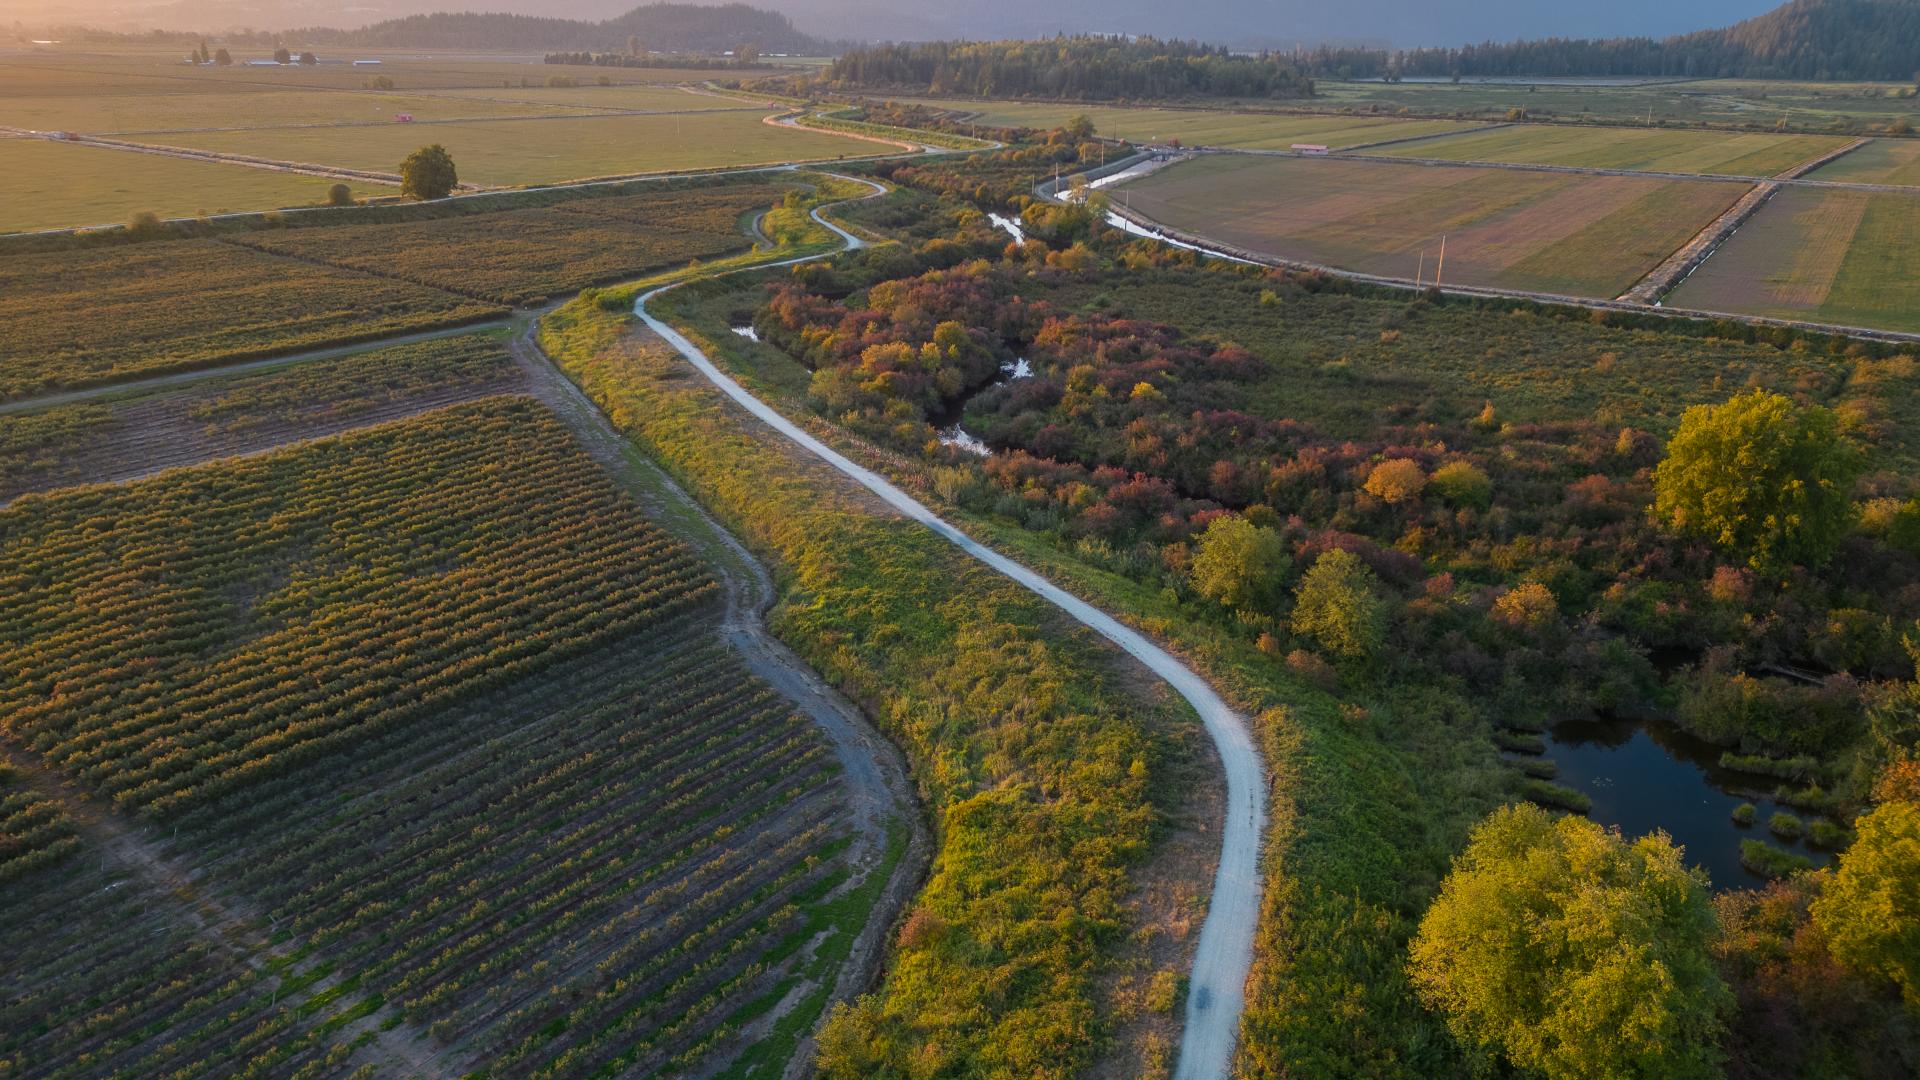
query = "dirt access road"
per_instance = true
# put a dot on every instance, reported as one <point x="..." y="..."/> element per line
<point x="1217" y="989"/>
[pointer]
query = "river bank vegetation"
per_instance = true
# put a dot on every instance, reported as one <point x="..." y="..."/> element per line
<point x="1394" y="525"/>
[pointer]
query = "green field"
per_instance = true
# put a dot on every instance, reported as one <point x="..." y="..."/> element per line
<point x="1882" y="161"/>
<point x="1846" y="257"/>
<point x="1708" y="152"/>
<point x="509" y="152"/>
<point x="1557" y="233"/>
<point x="108" y="113"/>
<point x="160" y="70"/>
<point x="47" y="185"/>
<point x="520" y="256"/>
<point x="589" y="94"/>
<point x="1720" y="102"/>
<point x="1199" y="127"/>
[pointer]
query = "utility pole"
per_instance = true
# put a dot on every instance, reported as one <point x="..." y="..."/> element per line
<point x="1420" y="275"/>
<point x="1440" y="273"/>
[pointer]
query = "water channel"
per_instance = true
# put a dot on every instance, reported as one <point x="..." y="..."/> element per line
<point x="1644" y="776"/>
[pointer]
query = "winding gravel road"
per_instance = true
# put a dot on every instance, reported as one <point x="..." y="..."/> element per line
<point x="1217" y="990"/>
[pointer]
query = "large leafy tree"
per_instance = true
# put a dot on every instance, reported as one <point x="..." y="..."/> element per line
<point x="1239" y="564"/>
<point x="1572" y="952"/>
<point x="1761" y="477"/>
<point x="1336" y="606"/>
<point x="1870" y="911"/>
<point x="428" y="173"/>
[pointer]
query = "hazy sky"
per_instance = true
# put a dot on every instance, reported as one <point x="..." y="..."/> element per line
<point x="1397" y="22"/>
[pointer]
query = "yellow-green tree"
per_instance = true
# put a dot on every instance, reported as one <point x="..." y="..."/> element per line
<point x="428" y="173"/>
<point x="1870" y="911"/>
<point x="1571" y="952"/>
<point x="1336" y="606"/>
<point x="1462" y="483"/>
<point x="1239" y="564"/>
<point x="1761" y="477"/>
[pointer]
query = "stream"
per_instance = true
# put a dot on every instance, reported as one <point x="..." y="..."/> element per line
<point x="947" y="421"/>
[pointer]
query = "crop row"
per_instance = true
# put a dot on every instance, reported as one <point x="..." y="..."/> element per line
<point x="153" y="308"/>
<point x="589" y="871"/>
<point x="38" y="444"/>
<point x="353" y="385"/>
<point x="524" y="256"/>
<point x="588" y="847"/>
<point x="214" y="627"/>
<point x="714" y="210"/>
<point x="105" y="980"/>
<point x="34" y="831"/>
<point x="126" y="437"/>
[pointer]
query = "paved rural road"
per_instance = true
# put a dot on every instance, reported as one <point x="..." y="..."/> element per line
<point x="1217" y="990"/>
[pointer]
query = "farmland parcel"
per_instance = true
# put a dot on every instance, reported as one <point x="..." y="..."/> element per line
<point x="110" y="113"/>
<point x="508" y="152"/>
<point x="560" y="836"/>
<point x="50" y="185"/>
<point x="1714" y="153"/>
<point x="1881" y="161"/>
<point x="159" y="307"/>
<point x="521" y="255"/>
<point x="1198" y="127"/>
<point x="1572" y="235"/>
<point x="1846" y="257"/>
<point x="130" y="436"/>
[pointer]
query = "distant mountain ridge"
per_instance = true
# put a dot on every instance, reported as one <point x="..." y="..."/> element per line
<point x="660" y="27"/>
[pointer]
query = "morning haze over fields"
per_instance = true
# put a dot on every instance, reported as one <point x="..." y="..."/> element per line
<point x="862" y="539"/>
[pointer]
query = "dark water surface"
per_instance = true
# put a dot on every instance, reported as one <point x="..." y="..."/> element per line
<point x="1648" y="776"/>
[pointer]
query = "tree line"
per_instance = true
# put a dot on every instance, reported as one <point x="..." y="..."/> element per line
<point x="1087" y="67"/>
